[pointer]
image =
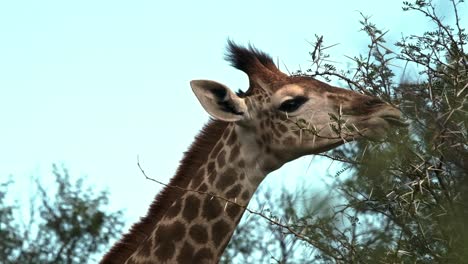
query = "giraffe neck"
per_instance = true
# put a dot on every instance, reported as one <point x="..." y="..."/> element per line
<point x="200" y="222"/>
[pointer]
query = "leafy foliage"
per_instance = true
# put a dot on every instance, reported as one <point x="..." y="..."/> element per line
<point x="9" y="237"/>
<point x="403" y="200"/>
<point x="68" y="226"/>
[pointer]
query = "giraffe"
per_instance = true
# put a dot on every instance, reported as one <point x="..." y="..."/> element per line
<point x="250" y="135"/>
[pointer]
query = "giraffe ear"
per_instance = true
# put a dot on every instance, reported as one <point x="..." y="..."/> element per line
<point x="219" y="101"/>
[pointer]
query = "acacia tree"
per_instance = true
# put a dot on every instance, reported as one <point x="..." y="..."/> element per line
<point x="70" y="225"/>
<point x="9" y="237"/>
<point x="403" y="199"/>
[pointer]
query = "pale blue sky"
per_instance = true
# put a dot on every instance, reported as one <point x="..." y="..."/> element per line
<point x="93" y="84"/>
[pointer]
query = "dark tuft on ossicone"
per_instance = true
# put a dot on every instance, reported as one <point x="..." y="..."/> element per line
<point x="247" y="59"/>
<point x="256" y="64"/>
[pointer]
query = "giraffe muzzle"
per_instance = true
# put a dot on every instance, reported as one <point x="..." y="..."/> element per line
<point x="395" y="121"/>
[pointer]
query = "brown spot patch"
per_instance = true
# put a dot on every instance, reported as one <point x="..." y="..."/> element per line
<point x="242" y="176"/>
<point x="169" y="232"/>
<point x="219" y="231"/>
<point x="199" y="234"/>
<point x="234" y="191"/>
<point x="186" y="254"/>
<point x="211" y="208"/>
<point x="165" y="237"/>
<point x="221" y="159"/>
<point x="211" y="170"/>
<point x="203" y="188"/>
<point x="203" y="255"/>
<point x="216" y="149"/>
<point x="282" y="128"/>
<point x="245" y="195"/>
<point x="233" y="210"/>
<point x="192" y="204"/>
<point x="198" y="178"/>
<point x="174" y="209"/>
<point x="211" y="167"/>
<point x="259" y="142"/>
<point x="212" y="177"/>
<point x="177" y="230"/>
<point x="241" y="164"/>
<point x="232" y="138"/>
<point x="262" y="125"/>
<point x="226" y="179"/>
<point x="165" y="251"/>
<point x="172" y="232"/>
<point x="234" y="153"/>
<point x="226" y="134"/>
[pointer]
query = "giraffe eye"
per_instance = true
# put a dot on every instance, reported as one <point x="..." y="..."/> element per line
<point x="293" y="104"/>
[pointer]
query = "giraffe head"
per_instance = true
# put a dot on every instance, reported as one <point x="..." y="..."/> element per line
<point x="290" y="116"/>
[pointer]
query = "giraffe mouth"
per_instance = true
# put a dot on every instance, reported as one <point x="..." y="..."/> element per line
<point x="395" y="121"/>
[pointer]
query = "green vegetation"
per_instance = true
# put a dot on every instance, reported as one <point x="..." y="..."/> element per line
<point x="401" y="200"/>
<point x="70" y="225"/>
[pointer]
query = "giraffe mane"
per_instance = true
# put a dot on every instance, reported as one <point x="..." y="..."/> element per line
<point x="192" y="160"/>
